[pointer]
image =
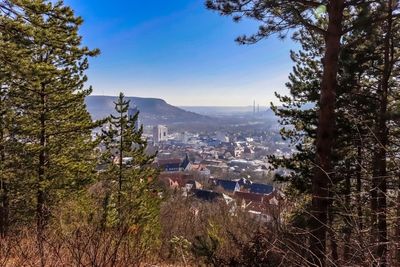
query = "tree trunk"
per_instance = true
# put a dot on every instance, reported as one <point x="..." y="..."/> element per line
<point x="4" y="209"/>
<point x="121" y="147"/>
<point x="381" y="133"/>
<point x="397" y="231"/>
<point x="41" y="210"/>
<point x="325" y="134"/>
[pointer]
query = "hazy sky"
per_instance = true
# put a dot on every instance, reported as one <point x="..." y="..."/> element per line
<point x="181" y="52"/>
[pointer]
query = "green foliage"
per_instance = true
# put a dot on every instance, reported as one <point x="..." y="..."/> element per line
<point x="297" y="115"/>
<point x="181" y="247"/>
<point x="132" y="200"/>
<point x="43" y="65"/>
<point x="206" y="246"/>
<point x="48" y="156"/>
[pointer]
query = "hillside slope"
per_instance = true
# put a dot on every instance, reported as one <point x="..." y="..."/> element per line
<point x="152" y="110"/>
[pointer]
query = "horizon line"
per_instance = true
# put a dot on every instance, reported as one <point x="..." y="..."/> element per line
<point x="184" y="105"/>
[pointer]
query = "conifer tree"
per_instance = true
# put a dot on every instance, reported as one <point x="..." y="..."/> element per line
<point x="380" y="172"/>
<point x="47" y="91"/>
<point x="342" y="17"/>
<point x="132" y="201"/>
<point x="298" y="118"/>
<point x="356" y="111"/>
<point x="12" y="40"/>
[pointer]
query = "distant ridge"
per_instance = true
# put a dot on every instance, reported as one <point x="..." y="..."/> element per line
<point x="227" y="110"/>
<point x="152" y="110"/>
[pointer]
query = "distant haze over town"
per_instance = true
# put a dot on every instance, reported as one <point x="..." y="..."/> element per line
<point x="224" y="110"/>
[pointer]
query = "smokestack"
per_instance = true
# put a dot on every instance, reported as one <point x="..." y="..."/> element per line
<point x="254" y="107"/>
<point x="258" y="108"/>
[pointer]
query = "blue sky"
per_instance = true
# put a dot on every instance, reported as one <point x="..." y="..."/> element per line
<point x="179" y="51"/>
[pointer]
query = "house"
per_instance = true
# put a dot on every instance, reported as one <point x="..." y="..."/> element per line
<point x="261" y="188"/>
<point x="250" y="201"/>
<point x="267" y="205"/>
<point x="192" y="184"/>
<point x="169" y="165"/>
<point x="227" y="185"/>
<point x="175" y="180"/>
<point x="206" y="195"/>
<point x="174" y="164"/>
<point x="201" y="169"/>
<point x="243" y="182"/>
<point x="249" y="197"/>
<point x="186" y="164"/>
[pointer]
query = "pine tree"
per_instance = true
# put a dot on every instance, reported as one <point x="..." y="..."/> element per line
<point x="356" y="112"/>
<point x="12" y="40"/>
<point x="132" y="201"/>
<point x="342" y="17"/>
<point x="47" y="91"/>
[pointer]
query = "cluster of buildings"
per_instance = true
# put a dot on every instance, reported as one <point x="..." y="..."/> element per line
<point x="219" y="154"/>
<point x="219" y="166"/>
<point x="222" y="166"/>
<point x="194" y="180"/>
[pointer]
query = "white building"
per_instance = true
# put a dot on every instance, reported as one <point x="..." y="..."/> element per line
<point x="160" y="133"/>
